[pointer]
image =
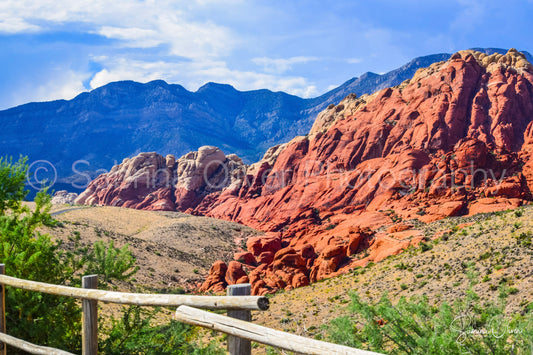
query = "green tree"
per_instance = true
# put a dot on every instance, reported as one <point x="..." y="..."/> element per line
<point x="28" y="254"/>
<point x="111" y="262"/>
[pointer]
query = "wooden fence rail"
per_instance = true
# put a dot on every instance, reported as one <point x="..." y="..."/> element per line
<point x="140" y="299"/>
<point x="29" y="347"/>
<point x="263" y="335"/>
<point x="241" y="331"/>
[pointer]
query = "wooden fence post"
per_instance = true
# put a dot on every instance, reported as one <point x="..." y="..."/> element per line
<point x="236" y="345"/>
<point x="89" y="318"/>
<point x="3" y="346"/>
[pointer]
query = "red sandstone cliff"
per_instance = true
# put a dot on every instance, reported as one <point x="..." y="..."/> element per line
<point x="455" y="139"/>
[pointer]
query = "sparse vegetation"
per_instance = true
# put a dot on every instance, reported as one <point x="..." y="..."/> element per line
<point x="482" y="251"/>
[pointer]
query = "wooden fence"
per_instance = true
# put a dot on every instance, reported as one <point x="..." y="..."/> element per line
<point x="237" y="324"/>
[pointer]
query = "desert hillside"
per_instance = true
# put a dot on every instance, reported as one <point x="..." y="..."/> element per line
<point x="492" y="249"/>
<point x="173" y="250"/>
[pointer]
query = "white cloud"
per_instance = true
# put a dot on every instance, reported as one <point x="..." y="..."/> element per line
<point x="16" y="25"/>
<point x="134" y="37"/>
<point x="139" y="24"/>
<point x="67" y="86"/>
<point x="123" y="69"/>
<point x="220" y="2"/>
<point x="281" y="65"/>
<point x="195" y="40"/>
<point x="61" y="84"/>
<point x="177" y="28"/>
<point x="354" y="60"/>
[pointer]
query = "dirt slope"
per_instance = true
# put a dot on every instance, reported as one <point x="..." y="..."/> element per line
<point x="173" y="250"/>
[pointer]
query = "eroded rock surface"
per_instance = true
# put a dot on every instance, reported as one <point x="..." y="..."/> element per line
<point x="152" y="182"/>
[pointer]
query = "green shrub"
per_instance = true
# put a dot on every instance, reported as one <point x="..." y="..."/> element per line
<point x="425" y="246"/>
<point x="524" y="239"/>
<point x="401" y="266"/>
<point x="28" y="254"/>
<point x="414" y="326"/>
<point x="513" y="290"/>
<point x="134" y="334"/>
<point x="111" y="262"/>
<point x="331" y="226"/>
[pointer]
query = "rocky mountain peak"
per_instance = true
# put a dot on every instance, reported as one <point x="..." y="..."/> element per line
<point x="512" y="59"/>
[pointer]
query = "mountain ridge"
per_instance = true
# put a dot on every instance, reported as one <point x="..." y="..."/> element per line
<point x="97" y="129"/>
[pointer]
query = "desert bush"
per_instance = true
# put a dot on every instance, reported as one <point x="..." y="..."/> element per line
<point x="524" y="239"/>
<point x="111" y="262"/>
<point x="414" y="326"/>
<point x="135" y="334"/>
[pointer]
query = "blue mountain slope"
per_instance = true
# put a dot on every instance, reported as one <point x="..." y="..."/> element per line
<point x="97" y="129"/>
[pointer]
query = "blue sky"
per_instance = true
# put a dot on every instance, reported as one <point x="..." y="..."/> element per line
<point x="57" y="49"/>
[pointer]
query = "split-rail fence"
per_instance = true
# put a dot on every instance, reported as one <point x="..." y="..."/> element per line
<point x="237" y="324"/>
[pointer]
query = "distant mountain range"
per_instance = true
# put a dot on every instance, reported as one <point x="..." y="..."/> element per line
<point x="97" y="129"/>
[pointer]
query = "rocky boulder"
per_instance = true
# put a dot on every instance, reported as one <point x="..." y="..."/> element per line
<point x="235" y="273"/>
<point x="63" y="197"/>
<point x="216" y="279"/>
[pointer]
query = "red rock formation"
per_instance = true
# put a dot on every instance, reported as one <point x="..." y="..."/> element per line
<point x="428" y="149"/>
<point x="216" y="280"/>
<point x="151" y="182"/>
<point x="245" y="258"/>
<point x="259" y="245"/>
<point x="235" y="273"/>
<point x="436" y="146"/>
<point x="327" y="262"/>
